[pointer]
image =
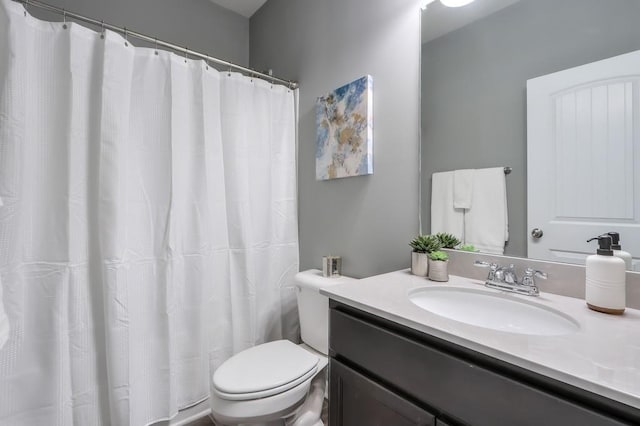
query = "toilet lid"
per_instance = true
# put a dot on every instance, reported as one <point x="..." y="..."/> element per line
<point x="264" y="370"/>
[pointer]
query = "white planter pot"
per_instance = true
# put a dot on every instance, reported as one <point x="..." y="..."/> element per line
<point x="419" y="264"/>
<point x="438" y="270"/>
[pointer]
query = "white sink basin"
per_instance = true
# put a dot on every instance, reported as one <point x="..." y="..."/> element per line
<point x="496" y="311"/>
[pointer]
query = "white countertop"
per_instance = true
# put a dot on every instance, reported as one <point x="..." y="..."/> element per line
<point x="603" y="356"/>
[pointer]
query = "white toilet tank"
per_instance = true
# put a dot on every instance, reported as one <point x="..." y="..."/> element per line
<point x="313" y="307"/>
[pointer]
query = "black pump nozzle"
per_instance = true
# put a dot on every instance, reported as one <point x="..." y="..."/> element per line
<point x="604" y="245"/>
<point x="615" y="240"/>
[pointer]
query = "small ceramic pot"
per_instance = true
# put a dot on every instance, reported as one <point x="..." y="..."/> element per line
<point x="419" y="264"/>
<point x="438" y="270"/>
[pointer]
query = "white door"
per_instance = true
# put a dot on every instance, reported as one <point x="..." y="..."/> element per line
<point x="583" y="165"/>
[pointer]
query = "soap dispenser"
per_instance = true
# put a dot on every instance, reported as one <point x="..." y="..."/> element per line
<point x="605" y="279"/>
<point x="618" y="252"/>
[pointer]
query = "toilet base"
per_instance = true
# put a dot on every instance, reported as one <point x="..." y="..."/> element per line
<point x="273" y="419"/>
<point x="310" y="413"/>
<point x="277" y="419"/>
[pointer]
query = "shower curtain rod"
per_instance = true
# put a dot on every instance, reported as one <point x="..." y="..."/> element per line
<point x="126" y="32"/>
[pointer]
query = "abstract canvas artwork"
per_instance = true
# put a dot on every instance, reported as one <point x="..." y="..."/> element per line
<point x="344" y="140"/>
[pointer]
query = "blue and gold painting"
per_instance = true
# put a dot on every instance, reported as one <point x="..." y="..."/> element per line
<point x="344" y="140"/>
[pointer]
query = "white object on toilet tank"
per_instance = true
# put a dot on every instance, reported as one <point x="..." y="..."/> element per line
<point x="313" y="307"/>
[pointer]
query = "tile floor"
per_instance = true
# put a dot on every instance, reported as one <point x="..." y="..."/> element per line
<point x="208" y="422"/>
<point x="202" y="422"/>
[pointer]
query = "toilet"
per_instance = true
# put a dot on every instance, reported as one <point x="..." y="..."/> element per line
<point x="278" y="382"/>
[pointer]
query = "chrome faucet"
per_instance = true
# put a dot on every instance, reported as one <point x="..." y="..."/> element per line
<point x="506" y="274"/>
<point x="505" y="278"/>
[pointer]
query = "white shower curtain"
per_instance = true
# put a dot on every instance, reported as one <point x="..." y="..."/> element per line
<point x="149" y="226"/>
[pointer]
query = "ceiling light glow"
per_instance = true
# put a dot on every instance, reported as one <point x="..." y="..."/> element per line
<point x="455" y="3"/>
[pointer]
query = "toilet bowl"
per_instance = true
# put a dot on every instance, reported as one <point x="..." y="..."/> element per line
<point x="265" y="383"/>
<point x="271" y="382"/>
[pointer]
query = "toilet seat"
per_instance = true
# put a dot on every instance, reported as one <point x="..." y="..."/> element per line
<point x="261" y="409"/>
<point x="264" y="370"/>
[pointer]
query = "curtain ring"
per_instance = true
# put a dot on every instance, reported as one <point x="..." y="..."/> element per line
<point x="64" y="19"/>
<point x="102" y="29"/>
<point x="156" y="46"/>
<point x="126" y="41"/>
<point x="186" y="50"/>
<point x="206" y="62"/>
<point x="229" y="72"/>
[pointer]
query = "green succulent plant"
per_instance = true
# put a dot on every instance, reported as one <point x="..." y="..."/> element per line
<point x="447" y="240"/>
<point x="439" y="255"/>
<point x="468" y="247"/>
<point x="425" y="244"/>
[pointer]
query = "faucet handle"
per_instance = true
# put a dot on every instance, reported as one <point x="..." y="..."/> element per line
<point x="529" y="275"/>
<point x="530" y="272"/>
<point x="493" y="267"/>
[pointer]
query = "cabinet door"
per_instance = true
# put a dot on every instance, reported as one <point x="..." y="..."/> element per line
<point x="473" y="394"/>
<point x="355" y="400"/>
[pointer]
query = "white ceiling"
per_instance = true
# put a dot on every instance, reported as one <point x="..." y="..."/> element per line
<point x="245" y="8"/>
<point x="437" y="20"/>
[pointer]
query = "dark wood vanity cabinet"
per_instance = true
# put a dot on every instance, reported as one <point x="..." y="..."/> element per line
<point x="382" y="373"/>
<point x="362" y="401"/>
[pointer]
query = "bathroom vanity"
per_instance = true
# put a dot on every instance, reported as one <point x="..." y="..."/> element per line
<point x="394" y="363"/>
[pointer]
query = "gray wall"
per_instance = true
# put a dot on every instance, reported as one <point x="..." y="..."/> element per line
<point x="197" y="24"/>
<point x="368" y="220"/>
<point x="474" y="80"/>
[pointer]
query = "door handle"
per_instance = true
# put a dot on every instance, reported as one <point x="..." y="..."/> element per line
<point x="537" y="233"/>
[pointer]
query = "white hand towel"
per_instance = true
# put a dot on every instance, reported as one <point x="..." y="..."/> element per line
<point x="462" y="188"/>
<point x="485" y="223"/>
<point x="444" y="217"/>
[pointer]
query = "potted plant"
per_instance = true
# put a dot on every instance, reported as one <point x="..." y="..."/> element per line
<point x="448" y="241"/>
<point x="438" y="262"/>
<point x="422" y="245"/>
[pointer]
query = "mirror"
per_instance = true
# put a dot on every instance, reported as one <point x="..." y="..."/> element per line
<point x="476" y="61"/>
